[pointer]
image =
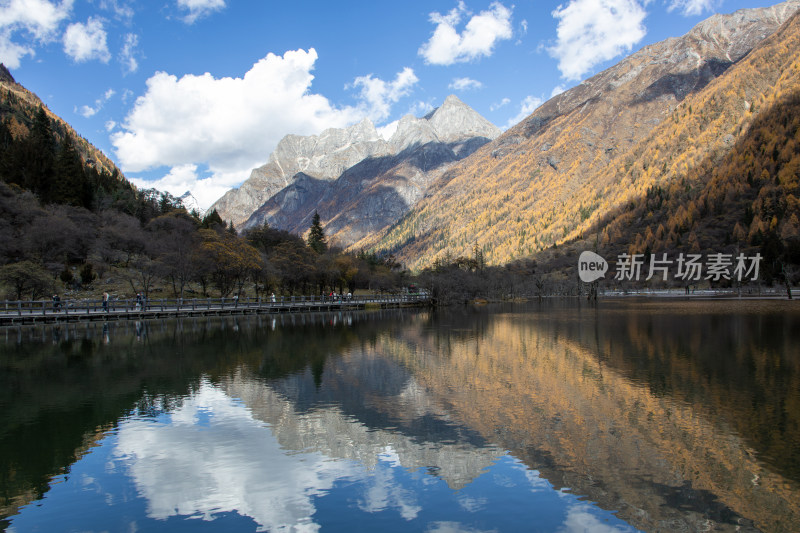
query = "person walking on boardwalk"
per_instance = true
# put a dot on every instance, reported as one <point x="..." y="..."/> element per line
<point x="138" y="301"/>
<point x="56" y="302"/>
<point x="105" y="302"/>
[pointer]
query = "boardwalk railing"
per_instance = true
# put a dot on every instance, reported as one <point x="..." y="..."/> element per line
<point x="15" y="312"/>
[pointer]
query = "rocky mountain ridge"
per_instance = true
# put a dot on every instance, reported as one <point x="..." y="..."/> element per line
<point x="326" y="172"/>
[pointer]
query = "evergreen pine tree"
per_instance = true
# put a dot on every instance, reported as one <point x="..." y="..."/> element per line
<point x="316" y="237"/>
<point x="211" y="220"/>
<point x="6" y="143"/>
<point x="38" y="156"/>
<point x="69" y="184"/>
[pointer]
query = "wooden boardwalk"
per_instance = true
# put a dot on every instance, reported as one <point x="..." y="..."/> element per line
<point x="47" y="311"/>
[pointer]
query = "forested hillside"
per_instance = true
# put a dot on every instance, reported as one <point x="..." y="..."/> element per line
<point x="726" y="171"/>
<point x="70" y="223"/>
<point x="747" y="201"/>
<point x="51" y="141"/>
<point x="556" y="178"/>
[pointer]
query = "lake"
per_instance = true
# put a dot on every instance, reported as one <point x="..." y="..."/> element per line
<point x="627" y="415"/>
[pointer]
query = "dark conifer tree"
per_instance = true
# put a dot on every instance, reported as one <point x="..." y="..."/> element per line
<point x="316" y="237"/>
<point x="38" y="157"/>
<point x="212" y="220"/>
<point x="6" y="152"/>
<point x="70" y="184"/>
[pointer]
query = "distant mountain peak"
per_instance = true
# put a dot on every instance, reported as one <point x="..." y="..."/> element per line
<point x="452" y="101"/>
<point x="190" y="202"/>
<point x="456" y="121"/>
<point x="452" y="122"/>
<point x="455" y="126"/>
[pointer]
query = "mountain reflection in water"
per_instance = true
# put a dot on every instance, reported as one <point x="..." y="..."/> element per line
<point x="557" y="416"/>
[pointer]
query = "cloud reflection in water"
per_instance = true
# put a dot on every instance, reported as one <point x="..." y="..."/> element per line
<point x="211" y="456"/>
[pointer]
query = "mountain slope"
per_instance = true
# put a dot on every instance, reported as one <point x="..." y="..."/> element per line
<point x="42" y="154"/>
<point x="18" y="106"/>
<point x="747" y="201"/>
<point x="586" y="152"/>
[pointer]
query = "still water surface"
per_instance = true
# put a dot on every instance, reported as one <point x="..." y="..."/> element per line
<point x="629" y="415"/>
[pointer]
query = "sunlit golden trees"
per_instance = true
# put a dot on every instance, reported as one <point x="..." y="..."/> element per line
<point x="233" y="259"/>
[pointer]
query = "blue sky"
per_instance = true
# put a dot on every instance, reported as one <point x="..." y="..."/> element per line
<point x="193" y="94"/>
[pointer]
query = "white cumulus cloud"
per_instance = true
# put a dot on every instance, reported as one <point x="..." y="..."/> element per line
<point x="447" y="46"/>
<point x="580" y="518"/>
<point x="84" y="42"/>
<point x="229" y="125"/>
<point x="11" y="53"/>
<point x="199" y="8"/>
<point x="36" y="20"/>
<point x="464" y="84"/>
<point x="378" y="95"/>
<point x="592" y="31"/>
<point x="39" y="17"/>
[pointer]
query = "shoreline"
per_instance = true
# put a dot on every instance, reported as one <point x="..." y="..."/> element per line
<point x="703" y="294"/>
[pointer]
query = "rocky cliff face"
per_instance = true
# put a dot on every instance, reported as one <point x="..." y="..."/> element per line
<point x="357" y="181"/>
<point x="323" y="156"/>
<point x="365" y="199"/>
<point x="546" y="179"/>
